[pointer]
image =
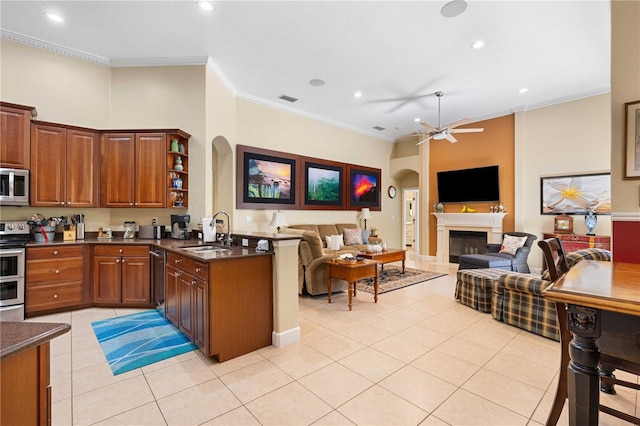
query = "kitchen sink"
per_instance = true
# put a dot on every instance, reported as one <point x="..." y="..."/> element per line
<point x="207" y="249"/>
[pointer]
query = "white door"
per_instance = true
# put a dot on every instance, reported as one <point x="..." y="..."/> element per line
<point x="410" y="215"/>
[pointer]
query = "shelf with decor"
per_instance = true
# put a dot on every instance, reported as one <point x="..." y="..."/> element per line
<point x="177" y="171"/>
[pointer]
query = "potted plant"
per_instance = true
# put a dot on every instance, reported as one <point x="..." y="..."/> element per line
<point x="374" y="232"/>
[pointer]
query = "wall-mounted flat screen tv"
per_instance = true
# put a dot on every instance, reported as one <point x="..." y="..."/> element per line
<point x="464" y="186"/>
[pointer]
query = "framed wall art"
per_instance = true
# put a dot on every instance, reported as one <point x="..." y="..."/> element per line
<point x="266" y="179"/>
<point x="632" y="139"/>
<point x="363" y="187"/>
<point x="576" y="194"/>
<point x="324" y="184"/>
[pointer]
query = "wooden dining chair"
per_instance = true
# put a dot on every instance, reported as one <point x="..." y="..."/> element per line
<point x="612" y="357"/>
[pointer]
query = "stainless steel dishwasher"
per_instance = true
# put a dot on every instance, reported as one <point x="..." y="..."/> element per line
<point x="158" y="277"/>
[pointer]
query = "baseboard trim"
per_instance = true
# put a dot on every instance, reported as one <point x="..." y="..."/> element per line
<point x="285" y="338"/>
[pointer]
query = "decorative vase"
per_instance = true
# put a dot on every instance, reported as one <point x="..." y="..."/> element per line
<point x="591" y="220"/>
<point x="174" y="145"/>
<point x="178" y="164"/>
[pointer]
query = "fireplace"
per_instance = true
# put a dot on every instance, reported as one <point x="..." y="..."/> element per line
<point x="466" y="242"/>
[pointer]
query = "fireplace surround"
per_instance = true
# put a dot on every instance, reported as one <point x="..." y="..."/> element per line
<point x="489" y="223"/>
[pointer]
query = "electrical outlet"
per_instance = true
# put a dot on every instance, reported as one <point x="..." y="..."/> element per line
<point x="154" y="220"/>
<point x="245" y="242"/>
<point x="249" y="219"/>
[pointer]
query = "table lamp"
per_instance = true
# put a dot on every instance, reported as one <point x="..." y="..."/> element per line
<point x="365" y="214"/>
<point x="278" y="220"/>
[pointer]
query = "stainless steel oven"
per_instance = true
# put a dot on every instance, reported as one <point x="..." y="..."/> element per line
<point x="14" y="187"/>
<point x="13" y="238"/>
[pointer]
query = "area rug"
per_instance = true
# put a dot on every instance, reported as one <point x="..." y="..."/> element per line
<point x="392" y="278"/>
<point x="133" y="341"/>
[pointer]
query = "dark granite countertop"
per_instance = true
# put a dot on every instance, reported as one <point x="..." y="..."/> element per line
<point x="178" y="246"/>
<point x="17" y="337"/>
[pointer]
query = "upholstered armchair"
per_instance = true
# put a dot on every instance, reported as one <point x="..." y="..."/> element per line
<point x="494" y="259"/>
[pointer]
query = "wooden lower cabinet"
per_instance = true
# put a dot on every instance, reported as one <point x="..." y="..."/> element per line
<point x="55" y="278"/>
<point x="122" y="275"/>
<point x="225" y="306"/>
<point x="25" y="388"/>
<point x="575" y="242"/>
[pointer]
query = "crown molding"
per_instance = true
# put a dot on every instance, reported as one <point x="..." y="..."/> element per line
<point x="55" y="48"/>
<point x="625" y="216"/>
<point x="211" y="64"/>
<point x="158" y="62"/>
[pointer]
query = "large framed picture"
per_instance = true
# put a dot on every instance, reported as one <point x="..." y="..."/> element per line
<point x="632" y="138"/>
<point x="576" y="194"/>
<point x="266" y="179"/>
<point x="363" y="187"/>
<point x="324" y="184"/>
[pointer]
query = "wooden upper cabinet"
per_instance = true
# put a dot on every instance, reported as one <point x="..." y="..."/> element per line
<point x="15" y="135"/>
<point x="64" y="168"/>
<point x="82" y="168"/>
<point x="47" y="165"/>
<point x="117" y="165"/>
<point x="151" y="154"/>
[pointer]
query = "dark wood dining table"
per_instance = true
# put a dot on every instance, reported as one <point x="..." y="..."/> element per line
<point x="601" y="297"/>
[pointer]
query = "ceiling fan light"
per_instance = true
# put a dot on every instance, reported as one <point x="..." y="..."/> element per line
<point x="439" y="136"/>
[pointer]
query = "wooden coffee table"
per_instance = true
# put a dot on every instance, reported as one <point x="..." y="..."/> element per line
<point x="352" y="273"/>
<point x="386" y="256"/>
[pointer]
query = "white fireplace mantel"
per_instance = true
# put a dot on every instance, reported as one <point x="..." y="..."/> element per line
<point x="491" y="223"/>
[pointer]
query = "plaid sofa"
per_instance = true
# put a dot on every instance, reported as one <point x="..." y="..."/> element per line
<point x="516" y="298"/>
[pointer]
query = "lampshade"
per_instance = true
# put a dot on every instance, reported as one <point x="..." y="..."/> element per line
<point x="278" y="220"/>
<point x="365" y="213"/>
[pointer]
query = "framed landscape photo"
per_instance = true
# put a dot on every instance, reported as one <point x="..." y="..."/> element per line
<point x="363" y="187"/>
<point x="576" y="194"/>
<point x="266" y="179"/>
<point x="324" y="183"/>
<point x="632" y="139"/>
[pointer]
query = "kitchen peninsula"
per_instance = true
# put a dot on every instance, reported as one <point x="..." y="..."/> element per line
<point x="221" y="297"/>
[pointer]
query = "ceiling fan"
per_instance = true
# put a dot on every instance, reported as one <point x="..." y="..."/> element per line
<point x="446" y="132"/>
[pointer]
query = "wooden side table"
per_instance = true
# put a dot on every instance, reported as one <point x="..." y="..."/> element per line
<point x="352" y="273"/>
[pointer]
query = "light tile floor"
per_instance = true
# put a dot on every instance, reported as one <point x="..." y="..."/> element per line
<point x="415" y="358"/>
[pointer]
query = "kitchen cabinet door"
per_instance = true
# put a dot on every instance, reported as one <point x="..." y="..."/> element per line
<point x="48" y="166"/>
<point x="82" y="168"/>
<point x="107" y="271"/>
<point x="171" y="306"/>
<point x="150" y="170"/>
<point x="15" y="136"/>
<point x="117" y="165"/>
<point x="201" y="314"/>
<point x="136" y="280"/>
<point x="186" y="294"/>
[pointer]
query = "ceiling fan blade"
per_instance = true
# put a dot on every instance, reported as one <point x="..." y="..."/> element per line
<point x="429" y="127"/>
<point x="480" y="129"/>
<point x="423" y="140"/>
<point x="457" y="123"/>
<point x="450" y="138"/>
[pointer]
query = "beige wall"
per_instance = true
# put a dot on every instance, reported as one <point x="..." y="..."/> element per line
<point x="625" y="87"/>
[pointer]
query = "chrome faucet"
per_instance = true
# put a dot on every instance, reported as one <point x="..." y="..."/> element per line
<point x="226" y="240"/>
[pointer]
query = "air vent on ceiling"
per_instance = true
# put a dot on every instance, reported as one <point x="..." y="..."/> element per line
<point x="378" y="128"/>
<point x="287" y="98"/>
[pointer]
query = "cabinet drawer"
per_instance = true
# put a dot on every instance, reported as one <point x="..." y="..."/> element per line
<point x="52" y="296"/>
<point x="121" y="250"/>
<point x="180" y="262"/>
<point x="200" y="270"/>
<point x="54" y="271"/>
<point x="54" y="252"/>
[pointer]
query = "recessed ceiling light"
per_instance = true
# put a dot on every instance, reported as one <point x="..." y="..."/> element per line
<point x="478" y="44"/>
<point x="316" y="82"/>
<point x="417" y="120"/>
<point x="357" y="95"/>
<point x="54" y="17"/>
<point x="205" y="5"/>
<point x="523" y="90"/>
<point x="453" y="8"/>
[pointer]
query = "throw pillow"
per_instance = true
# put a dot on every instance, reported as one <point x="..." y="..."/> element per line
<point x="328" y="239"/>
<point x="352" y="236"/>
<point x="511" y="244"/>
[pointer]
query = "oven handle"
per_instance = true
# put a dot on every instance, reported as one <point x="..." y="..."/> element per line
<point x="5" y="252"/>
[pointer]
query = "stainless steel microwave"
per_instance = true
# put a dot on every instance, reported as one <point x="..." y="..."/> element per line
<point x="14" y="187"/>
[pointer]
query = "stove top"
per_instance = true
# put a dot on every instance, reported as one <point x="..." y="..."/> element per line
<point x="14" y="233"/>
